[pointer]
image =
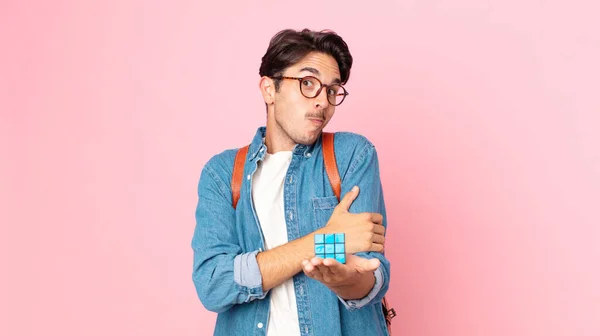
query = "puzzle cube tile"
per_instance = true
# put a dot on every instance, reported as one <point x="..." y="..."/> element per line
<point x="331" y="245"/>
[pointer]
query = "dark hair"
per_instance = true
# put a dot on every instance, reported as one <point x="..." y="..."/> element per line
<point x="289" y="46"/>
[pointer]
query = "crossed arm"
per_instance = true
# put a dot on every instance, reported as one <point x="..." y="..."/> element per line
<point x="224" y="275"/>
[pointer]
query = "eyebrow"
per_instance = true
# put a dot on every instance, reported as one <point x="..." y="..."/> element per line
<point x="316" y="72"/>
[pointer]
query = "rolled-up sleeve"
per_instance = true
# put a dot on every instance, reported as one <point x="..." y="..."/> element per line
<point x="246" y="272"/>
<point x="356" y="304"/>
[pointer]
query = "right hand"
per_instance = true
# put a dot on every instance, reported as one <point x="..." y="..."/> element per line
<point x="364" y="232"/>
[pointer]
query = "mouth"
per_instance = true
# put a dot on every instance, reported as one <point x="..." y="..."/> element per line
<point x="317" y="121"/>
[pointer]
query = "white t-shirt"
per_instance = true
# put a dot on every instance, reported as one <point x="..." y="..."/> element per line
<point x="267" y="194"/>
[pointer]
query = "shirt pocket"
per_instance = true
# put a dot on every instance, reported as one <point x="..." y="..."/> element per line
<point x="322" y="209"/>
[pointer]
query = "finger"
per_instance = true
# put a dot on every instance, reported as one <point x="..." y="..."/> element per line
<point x="316" y="261"/>
<point x="311" y="271"/>
<point x="333" y="265"/>
<point x="375" y="247"/>
<point x="325" y="273"/>
<point x="379" y="229"/>
<point x="350" y="196"/>
<point x="367" y="265"/>
<point x="315" y="274"/>
<point x="376" y="218"/>
<point x="379" y="239"/>
<point x="307" y="266"/>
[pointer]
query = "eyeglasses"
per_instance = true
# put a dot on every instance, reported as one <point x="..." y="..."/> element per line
<point x="311" y="87"/>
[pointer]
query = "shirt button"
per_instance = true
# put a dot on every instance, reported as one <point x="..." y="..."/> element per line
<point x="259" y="325"/>
<point x="248" y="177"/>
<point x="308" y="155"/>
<point x="262" y="149"/>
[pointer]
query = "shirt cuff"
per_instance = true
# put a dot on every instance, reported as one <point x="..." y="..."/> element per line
<point x="356" y="304"/>
<point x="247" y="275"/>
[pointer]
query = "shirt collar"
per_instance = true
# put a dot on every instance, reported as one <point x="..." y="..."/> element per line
<point x="258" y="146"/>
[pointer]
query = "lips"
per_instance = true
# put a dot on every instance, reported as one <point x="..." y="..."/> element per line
<point x="317" y="121"/>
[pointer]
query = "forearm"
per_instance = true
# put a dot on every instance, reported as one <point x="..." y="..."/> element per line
<point x="358" y="289"/>
<point x="283" y="262"/>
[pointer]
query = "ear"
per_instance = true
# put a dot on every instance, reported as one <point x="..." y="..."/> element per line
<point x="267" y="89"/>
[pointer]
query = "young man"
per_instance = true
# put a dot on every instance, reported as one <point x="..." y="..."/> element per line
<point x="254" y="263"/>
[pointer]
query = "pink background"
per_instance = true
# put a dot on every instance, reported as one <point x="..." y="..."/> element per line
<point x="485" y="115"/>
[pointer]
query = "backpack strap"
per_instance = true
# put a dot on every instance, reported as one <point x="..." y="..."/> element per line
<point x="388" y="313"/>
<point x="238" y="174"/>
<point x="331" y="164"/>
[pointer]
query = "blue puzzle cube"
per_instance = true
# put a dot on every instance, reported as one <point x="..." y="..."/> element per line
<point x="331" y="245"/>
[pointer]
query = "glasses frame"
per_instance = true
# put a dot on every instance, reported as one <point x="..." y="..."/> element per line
<point x="300" y="79"/>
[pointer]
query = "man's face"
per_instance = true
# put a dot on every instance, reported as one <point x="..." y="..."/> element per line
<point x="302" y="119"/>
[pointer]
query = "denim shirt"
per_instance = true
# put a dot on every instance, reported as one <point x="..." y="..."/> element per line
<point x="226" y="240"/>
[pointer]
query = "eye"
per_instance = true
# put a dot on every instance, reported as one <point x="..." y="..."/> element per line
<point x="333" y="90"/>
<point x="307" y="82"/>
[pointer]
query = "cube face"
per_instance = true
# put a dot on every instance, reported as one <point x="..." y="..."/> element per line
<point x="331" y="246"/>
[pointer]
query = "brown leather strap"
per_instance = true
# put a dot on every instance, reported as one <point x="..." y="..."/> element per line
<point x="389" y="314"/>
<point x="238" y="174"/>
<point x="331" y="164"/>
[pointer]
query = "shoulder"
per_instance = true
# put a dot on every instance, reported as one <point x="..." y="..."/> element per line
<point x="350" y="138"/>
<point x="218" y="170"/>
<point x="351" y="144"/>
<point x="352" y="149"/>
<point x="222" y="162"/>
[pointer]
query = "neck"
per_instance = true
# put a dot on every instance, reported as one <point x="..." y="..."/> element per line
<point x="276" y="139"/>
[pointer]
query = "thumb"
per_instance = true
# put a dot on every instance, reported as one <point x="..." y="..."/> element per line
<point x="350" y="196"/>
<point x="367" y="265"/>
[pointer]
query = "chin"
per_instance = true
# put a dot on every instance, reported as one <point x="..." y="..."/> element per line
<point x="309" y="139"/>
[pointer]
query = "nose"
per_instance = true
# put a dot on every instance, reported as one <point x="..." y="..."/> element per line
<point x="321" y="100"/>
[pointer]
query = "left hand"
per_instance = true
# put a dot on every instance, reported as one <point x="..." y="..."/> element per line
<point x="334" y="274"/>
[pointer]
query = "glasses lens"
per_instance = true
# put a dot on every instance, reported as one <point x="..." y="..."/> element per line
<point x="336" y="94"/>
<point x="310" y="86"/>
